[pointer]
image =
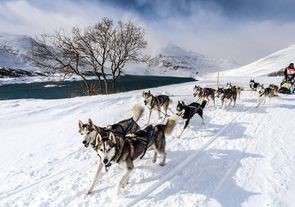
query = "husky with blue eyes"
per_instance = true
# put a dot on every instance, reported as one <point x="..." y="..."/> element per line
<point x="124" y="151"/>
<point x="89" y="131"/>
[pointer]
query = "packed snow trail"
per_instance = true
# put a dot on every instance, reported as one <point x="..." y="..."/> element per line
<point x="242" y="156"/>
<point x="184" y="163"/>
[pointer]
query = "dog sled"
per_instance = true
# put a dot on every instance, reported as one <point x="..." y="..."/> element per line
<point x="287" y="87"/>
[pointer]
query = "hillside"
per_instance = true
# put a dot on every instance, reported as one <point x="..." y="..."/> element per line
<point x="264" y="66"/>
<point x="175" y="61"/>
<point x="13" y="49"/>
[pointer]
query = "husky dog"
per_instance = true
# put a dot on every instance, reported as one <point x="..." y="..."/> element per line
<point x="227" y="94"/>
<point x="114" y="149"/>
<point x="239" y="89"/>
<point x="253" y="85"/>
<point x="155" y="103"/>
<point x="263" y="93"/>
<point x="186" y="112"/>
<point x="90" y="131"/>
<point x="228" y="85"/>
<point x="275" y="88"/>
<point x="204" y="93"/>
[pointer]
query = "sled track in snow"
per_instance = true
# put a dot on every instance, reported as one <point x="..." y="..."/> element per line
<point x="225" y="178"/>
<point x="184" y="163"/>
<point x="37" y="182"/>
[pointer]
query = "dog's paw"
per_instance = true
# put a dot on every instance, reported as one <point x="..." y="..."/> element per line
<point x="162" y="164"/>
<point x="124" y="184"/>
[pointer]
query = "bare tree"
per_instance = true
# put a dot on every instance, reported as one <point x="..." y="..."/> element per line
<point x="94" y="44"/>
<point x="126" y="46"/>
<point x="59" y="53"/>
<point x="98" y="48"/>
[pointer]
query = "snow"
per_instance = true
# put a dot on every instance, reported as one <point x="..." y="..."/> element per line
<point x="242" y="156"/>
<point x="264" y="66"/>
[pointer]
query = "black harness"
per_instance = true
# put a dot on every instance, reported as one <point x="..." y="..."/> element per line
<point x="148" y="140"/>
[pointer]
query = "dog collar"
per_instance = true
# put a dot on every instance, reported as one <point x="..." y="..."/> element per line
<point x="108" y="165"/>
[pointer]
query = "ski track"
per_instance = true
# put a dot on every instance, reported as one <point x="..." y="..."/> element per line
<point x="184" y="163"/>
<point x="71" y="174"/>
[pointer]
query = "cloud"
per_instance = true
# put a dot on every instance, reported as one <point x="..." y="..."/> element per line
<point x="210" y="27"/>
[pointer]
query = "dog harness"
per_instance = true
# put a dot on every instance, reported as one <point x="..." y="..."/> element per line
<point x="129" y="128"/>
<point x="149" y="137"/>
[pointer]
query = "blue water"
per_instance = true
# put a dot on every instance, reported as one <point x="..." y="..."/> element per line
<point x="69" y="89"/>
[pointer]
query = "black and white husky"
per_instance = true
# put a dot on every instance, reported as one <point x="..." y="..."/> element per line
<point x="227" y="94"/>
<point x="123" y="151"/>
<point x="155" y="103"/>
<point x="204" y="94"/>
<point x="186" y="112"/>
<point x="89" y="131"/>
<point x="263" y="93"/>
<point x="253" y="85"/>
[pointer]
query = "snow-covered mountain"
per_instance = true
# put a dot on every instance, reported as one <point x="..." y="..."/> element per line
<point x="13" y="50"/>
<point x="264" y="66"/>
<point x="173" y="60"/>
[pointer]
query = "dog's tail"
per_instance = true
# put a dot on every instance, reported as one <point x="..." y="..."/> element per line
<point x="170" y="125"/>
<point x="137" y="112"/>
<point x="203" y="104"/>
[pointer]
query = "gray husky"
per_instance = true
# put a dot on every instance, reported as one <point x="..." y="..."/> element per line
<point x="227" y="94"/>
<point x="123" y="151"/>
<point x="204" y="94"/>
<point x="263" y="93"/>
<point x="89" y="131"/>
<point x="239" y="89"/>
<point x="156" y="103"/>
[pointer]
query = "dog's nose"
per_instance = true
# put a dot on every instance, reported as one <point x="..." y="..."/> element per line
<point x="84" y="142"/>
<point x="105" y="161"/>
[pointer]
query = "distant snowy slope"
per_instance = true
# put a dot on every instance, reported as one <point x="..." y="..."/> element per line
<point x="264" y="66"/>
<point x="16" y="49"/>
<point x="175" y="61"/>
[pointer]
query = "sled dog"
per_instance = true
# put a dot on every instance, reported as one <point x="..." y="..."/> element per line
<point x="275" y="88"/>
<point x="186" y="112"/>
<point x="263" y="93"/>
<point x="227" y="94"/>
<point x="114" y="149"/>
<point x="253" y="85"/>
<point x="204" y="94"/>
<point x="239" y="89"/>
<point x="89" y="131"/>
<point x="156" y="103"/>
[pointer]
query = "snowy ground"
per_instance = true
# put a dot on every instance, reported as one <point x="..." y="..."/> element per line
<point x="243" y="156"/>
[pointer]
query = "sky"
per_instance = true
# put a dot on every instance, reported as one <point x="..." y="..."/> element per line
<point x="242" y="30"/>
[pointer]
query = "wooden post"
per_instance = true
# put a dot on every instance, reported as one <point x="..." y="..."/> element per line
<point x="217" y="81"/>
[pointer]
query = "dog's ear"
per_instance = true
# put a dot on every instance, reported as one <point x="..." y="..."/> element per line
<point x="149" y="92"/>
<point x="98" y="140"/>
<point x="182" y="102"/>
<point x="80" y="124"/>
<point x="112" y="137"/>
<point x="90" y="122"/>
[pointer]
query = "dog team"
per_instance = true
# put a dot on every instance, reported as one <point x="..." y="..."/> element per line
<point x="126" y="141"/>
